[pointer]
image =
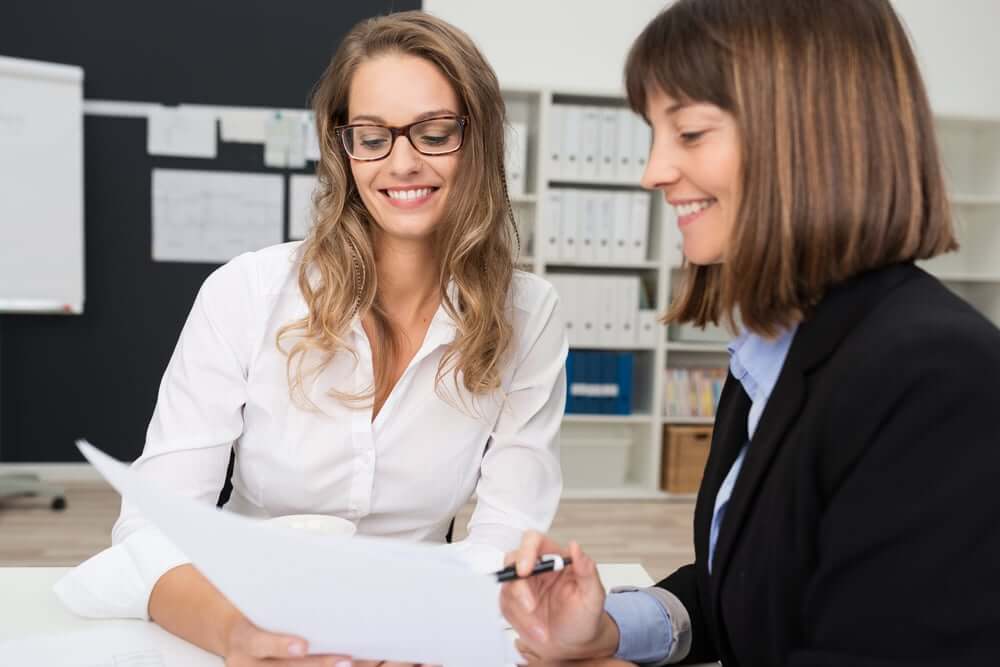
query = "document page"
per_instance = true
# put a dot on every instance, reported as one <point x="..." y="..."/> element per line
<point x="372" y="598"/>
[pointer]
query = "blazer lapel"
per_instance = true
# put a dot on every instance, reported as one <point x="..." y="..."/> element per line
<point x="728" y="436"/>
<point x="818" y="336"/>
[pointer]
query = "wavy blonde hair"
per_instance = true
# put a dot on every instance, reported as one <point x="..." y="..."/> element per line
<point x="476" y="240"/>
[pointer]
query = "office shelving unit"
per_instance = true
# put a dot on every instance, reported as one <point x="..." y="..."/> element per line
<point x="642" y="429"/>
<point x="970" y="150"/>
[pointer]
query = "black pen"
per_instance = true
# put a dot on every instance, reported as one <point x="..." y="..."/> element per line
<point x="547" y="563"/>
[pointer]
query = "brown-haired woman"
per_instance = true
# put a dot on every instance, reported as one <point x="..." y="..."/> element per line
<point x="382" y="371"/>
<point x="848" y="512"/>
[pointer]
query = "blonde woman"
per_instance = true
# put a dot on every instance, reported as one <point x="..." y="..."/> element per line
<point x="383" y="370"/>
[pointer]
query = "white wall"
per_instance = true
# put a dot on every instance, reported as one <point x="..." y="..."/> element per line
<point x="581" y="44"/>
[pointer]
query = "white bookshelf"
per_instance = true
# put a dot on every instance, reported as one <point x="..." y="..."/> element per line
<point x="970" y="150"/>
<point x="643" y="429"/>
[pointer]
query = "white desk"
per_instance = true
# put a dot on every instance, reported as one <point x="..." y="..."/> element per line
<point x="29" y="607"/>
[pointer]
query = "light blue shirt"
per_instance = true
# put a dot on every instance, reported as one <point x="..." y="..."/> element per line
<point x="645" y="630"/>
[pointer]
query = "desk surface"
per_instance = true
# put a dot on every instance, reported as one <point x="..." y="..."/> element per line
<point x="29" y="606"/>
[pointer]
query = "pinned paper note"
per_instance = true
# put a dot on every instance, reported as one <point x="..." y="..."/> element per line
<point x="284" y="142"/>
<point x="300" y="204"/>
<point x="181" y="133"/>
<point x="246" y="126"/>
<point x="213" y="216"/>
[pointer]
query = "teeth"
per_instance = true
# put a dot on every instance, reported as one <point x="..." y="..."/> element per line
<point x="693" y="207"/>
<point x="405" y="195"/>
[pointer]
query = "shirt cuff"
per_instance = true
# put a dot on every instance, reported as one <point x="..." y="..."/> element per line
<point x="117" y="582"/>
<point x="642" y="611"/>
<point x="644" y="628"/>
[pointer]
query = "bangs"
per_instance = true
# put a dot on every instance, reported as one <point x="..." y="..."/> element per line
<point x="680" y="54"/>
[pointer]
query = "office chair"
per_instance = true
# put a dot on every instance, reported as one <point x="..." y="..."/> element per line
<point x="26" y="484"/>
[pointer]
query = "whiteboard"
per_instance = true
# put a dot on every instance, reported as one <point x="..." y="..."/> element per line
<point x="41" y="187"/>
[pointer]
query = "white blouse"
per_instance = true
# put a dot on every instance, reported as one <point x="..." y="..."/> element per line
<point x="404" y="475"/>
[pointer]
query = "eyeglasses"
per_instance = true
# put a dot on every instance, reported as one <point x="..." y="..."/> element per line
<point x="433" y="136"/>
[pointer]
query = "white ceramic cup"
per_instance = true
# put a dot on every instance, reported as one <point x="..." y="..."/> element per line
<point x="320" y="524"/>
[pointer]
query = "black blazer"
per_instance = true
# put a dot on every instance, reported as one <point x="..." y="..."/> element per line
<point x="864" y="528"/>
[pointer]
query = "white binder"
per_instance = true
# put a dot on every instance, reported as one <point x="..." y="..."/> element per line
<point x="552" y="231"/>
<point x="605" y="227"/>
<point x="567" y="305"/>
<point x="641" y="138"/>
<point x="647" y="328"/>
<point x="554" y="141"/>
<point x="608" y="155"/>
<point x="517" y="158"/>
<point x="640" y="225"/>
<point x="590" y="142"/>
<point x="625" y="169"/>
<point x="569" y="239"/>
<point x="588" y="216"/>
<point x="621" y="241"/>
<point x="607" y="292"/>
<point x="588" y="307"/>
<point x="571" y="143"/>
<point x="627" y="300"/>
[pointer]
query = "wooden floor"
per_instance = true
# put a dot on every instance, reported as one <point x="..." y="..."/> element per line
<point x="656" y="534"/>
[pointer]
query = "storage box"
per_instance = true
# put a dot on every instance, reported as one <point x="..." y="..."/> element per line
<point x="598" y="462"/>
<point x="685" y="452"/>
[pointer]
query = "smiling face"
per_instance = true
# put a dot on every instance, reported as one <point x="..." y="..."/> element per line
<point x="406" y="191"/>
<point x="695" y="162"/>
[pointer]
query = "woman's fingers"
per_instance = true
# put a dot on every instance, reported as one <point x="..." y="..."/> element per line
<point x="533" y="546"/>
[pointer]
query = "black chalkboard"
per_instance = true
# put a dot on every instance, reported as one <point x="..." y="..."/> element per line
<point x="97" y="375"/>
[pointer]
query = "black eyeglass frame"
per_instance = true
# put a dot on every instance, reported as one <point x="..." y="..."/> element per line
<point x="397" y="132"/>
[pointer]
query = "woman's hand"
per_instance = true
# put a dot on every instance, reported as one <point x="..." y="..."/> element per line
<point x="249" y="646"/>
<point x="558" y="615"/>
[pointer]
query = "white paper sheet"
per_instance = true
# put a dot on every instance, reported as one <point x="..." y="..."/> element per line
<point x="213" y="216"/>
<point x="312" y="139"/>
<point x="137" y="644"/>
<point x="181" y="133"/>
<point x="368" y="597"/>
<point x="248" y="126"/>
<point x="285" y="140"/>
<point x="300" y="204"/>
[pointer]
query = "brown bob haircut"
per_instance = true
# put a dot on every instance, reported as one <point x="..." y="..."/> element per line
<point x="840" y="171"/>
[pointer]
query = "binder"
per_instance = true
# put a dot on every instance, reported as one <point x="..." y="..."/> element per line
<point x="567" y="306"/>
<point x="606" y="295"/>
<point x="641" y="139"/>
<point x="587" y="308"/>
<point x="569" y="239"/>
<point x="590" y="142"/>
<point x="608" y="155"/>
<point x="517" y="158"/>
<point x="554" y="141"/>
<point x="552" y="232"/>
<point x="571" y="140"/>
<point x="621" y="242"/>
<point x="675" y="240"/>
<point x="647" y="327"/>
<point x="605" y="227"/>
<point x="624" y="170"/>
<point x="640" y="226"/>
<point x="627" y="300"/>
<point x="588" y="217"/>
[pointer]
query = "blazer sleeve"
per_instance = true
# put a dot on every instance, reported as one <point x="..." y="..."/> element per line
<point x="907" y="567"/>
<point x="684" y="584"/>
